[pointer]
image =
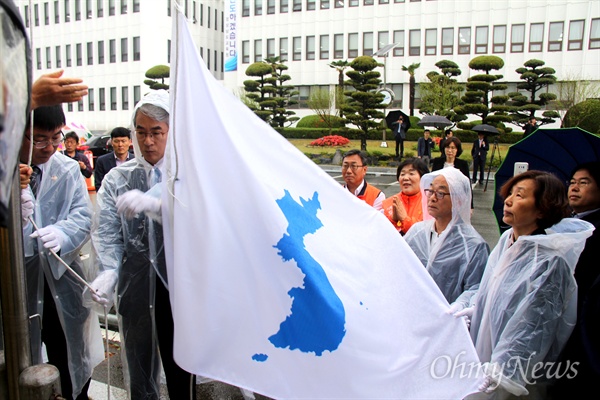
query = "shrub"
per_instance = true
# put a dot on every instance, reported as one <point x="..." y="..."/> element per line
<point x="585" y="115"/>
<point x="315" y="121"/>
<point x="333" y="140"/>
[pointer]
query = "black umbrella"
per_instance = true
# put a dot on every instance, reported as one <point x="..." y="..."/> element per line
<point x="557" y="151"/>
<point x="436" y="121"/>
<point x="393" y="117"/>
<point x="486" y="129"/>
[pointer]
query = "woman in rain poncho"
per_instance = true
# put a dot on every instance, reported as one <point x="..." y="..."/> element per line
<point x="128" y="241"/>
<point x="525" y="308"/>
<point x="454" y="255"/>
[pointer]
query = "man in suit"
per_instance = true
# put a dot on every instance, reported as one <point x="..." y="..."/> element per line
<point x="121" y="141"/>
<point x="530" y="126"/>
<point x="479" y="154"/>
<point x="400" y="129"/>
<point x="424" y="146"/>
<point x="583" y="347"/>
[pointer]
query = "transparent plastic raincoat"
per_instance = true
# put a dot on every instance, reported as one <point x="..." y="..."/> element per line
<point x="129" y="255"/>
<point x="63" y="202"/>
<point x="525" y="308"/>
<point x="457" y="259"/>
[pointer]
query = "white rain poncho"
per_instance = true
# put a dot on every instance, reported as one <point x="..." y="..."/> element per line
<point x="457" y="259"/>
<point x="130" y="255"/>
<point x="64" y="203"/>
<point x="525" y="308"/>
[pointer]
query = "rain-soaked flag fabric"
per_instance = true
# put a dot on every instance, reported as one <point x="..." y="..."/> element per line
<point x="281" y="281"/>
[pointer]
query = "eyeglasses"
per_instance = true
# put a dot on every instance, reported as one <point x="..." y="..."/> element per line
<point x="353" y="167"/>
<point x="451" y="148"/>
<point x="439" y="195"/>
<point x="580" y="183"/>
<point x="44" y="143"/>
<point x="150" y="135"/>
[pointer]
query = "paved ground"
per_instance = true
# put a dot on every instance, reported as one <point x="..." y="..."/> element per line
<point x="385" y="179"/>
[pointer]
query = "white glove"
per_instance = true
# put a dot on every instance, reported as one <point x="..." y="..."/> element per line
<point x="494" y="379"/>
<point x="27" y="204"/>
<point x="467" y="314"/>
<point x="104" y="286"/>
<point x="135" y="201"/>
<point x="52" y="237"/>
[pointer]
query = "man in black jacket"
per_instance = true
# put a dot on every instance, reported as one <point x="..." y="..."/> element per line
<point x="121" y="141"/>
<point x="479" y="154"/>
<point x="530" y="127"/>
<point x="583" y="346"/>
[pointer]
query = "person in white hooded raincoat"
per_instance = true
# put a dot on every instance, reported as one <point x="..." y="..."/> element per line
<point x="445" y="242"/>
<point x="61" y="209"/>
<point x="525" y="308"/>
<point x="127" y="237"/>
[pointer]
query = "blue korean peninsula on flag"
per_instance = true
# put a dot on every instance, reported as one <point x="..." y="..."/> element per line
<point x="281" y="281"/>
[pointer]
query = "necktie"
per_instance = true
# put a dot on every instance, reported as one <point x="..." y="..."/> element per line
<point x="156" y="176"/>
<point x="35" y="180"/>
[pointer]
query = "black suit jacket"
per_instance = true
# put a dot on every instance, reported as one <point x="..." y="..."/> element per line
<point x="478" y="151"/>
<point x="104" y="164"/>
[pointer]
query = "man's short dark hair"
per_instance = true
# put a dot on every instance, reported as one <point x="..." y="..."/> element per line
<point x="356" y="152"/>
<point x="48" y="118"/>
<point x="427" y="130"/>
<point x="532" y="118"/>
<point x="593" y="167"/>
<point x="120" y="131"/>
<point x="72" y="135"/>
<point x="448" y="132"/>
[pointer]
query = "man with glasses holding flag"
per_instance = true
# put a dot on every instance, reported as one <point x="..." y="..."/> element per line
<point x="354" y="169"/>
<point x="58" y="202"/>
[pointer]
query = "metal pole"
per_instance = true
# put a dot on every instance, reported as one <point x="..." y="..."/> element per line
<point x="13" y="294"/>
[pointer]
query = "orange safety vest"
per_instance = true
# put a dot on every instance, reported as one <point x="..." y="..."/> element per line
<point x="413" y="207"/>
<point x="369" y="194"/>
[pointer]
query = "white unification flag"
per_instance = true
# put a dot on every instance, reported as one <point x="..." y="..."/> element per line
<point x="281" y="281"/>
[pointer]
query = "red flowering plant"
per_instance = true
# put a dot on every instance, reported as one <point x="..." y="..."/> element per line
<point x="437" y="140"/>
<point x="332" y="140"/>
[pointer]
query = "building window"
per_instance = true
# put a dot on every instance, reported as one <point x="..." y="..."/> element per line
<point x="245" y="52"/>
<point x="113" y="98"/>
<point x="447" y="41"/>
<point x="202" y="13"/>
<point x="102" y="99"/>
<point x="464" y="40"/>
<point x="430" y="42"/>
<point x="576" y="35"/>
<point x="36" y="15"/>
<point x="112" y="50"/>
<point x="270" y="48"/>
<point x="202" y="52"/>
<point x="68" y="55"/>
<point x="90" y="98"/>
<point x="136" y="94"/>
<point x="324" y="47"/>
<point x="80" y="105"/>
<point x="78" y="54"/>
<point x="208" y="59"/>
<point x="136" y="48"/>
<point x="56" y="13"/>
<point x="499" y="39"/>
<point x="311" y="4"/>
<point x="100" y="8"/>
<point x="58" y="59"/>
<point x="26" y="12"/>
<point x="169" y="50"/>
<point x="283" y="6"/>
<point x="353" y="3"/>
<point x="536" y="37"/>
<point x="194" y="19"/>
<point x="384" y="1"/>
<point x="595" y="34"/>
<point x="124" y="98"/>
<point x="414" y="42"/>
<point x="257" y="8"/>
<point x="270" y="6"/>
<point x="283" y="49"/>
<point x="310" y="47"/>
<point x="296" y="5"/>
<point x="123" y="6"/>
<point x="257" y="50"/>
<point x="101" y="52"/>
<point x="367" y="43"/>
<point x="368" y="2"/>
<point x="383" y="39"/>
<point x="46" y="14"/>
<point x="215" y="58"/>
<point x="208" y="17"/>
<point x="555" y="36"/>
<point x="88" y="9"/>
<point x="136" y="6"/>
<point x="338" y="46"/>
<point x="245" y="9"/>
<point x="124" y="50"/>
<point x="90" y="53"/>
<point x="78" y="11"/>
<point x="399" y="39"/>
<point x="111" y="7"/>
<point x="338" y="3"/>
<point x="481" y="39"/>
<point x="38" y="58"/>
<point x="216" y="19"/>
<point x="517" y="38"/>
<point x="67" y="11"/>
<point x="70" y="107"/>
<point x="297" y="46"/>
<point x="48" y="58"/>
<point x="352" y="45"/>
<point x="325" y="4"/>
